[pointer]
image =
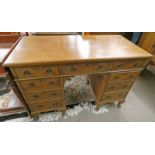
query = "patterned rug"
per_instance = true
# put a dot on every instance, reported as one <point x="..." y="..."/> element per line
<point x="78" y="90"/>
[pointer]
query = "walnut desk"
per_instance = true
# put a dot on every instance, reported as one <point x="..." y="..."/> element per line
<point x="41" y="64"/>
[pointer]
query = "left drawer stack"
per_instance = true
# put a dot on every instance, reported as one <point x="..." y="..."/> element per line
<point x="41" y="87"/>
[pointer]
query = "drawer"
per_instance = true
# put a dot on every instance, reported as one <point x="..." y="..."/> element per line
<point x="111" y="97"/>
<point x="120" y="76"/>
<point x="40" y="84"/>
<point x="99" y="66"/>
<point x="43" y="96"/>
<point x="85" y="68"/>
<point x="46" y="106"/>
<point x="72" y="69"/>
<point x="118" y="86"/>
<point x="128" y="64"/>
<point x="36" y="71"/>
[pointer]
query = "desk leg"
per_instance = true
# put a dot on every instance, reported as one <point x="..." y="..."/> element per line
<point x="35" y="116"/>
<point x="63" y="113"/>
<point x="120" y="103"/>
<point x="97" y="108"/>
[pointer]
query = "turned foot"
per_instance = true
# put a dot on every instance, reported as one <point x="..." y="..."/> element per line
<point x="120" y="104"/>
<point x="97" y="108"/>
<point x="35" y="116"/>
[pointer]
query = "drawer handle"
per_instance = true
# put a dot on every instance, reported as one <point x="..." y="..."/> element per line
<point x="120" y="95"/>
<point x="53" y="94"/>
<point x="48" y="70"/>
<point x="35" y="96"/>
<point x="116" y="77"/>
<point x="26" y="73"/>
<point x="99" y="67"/>
<point x="73" y="68"/>
<point x="135" y="65"/>
<point x="31" y="84"/>
<point x="51" y="83"/>
<point x="120" y="65"/>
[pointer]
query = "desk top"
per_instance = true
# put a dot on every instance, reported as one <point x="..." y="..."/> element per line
<point x="33" y="50"/>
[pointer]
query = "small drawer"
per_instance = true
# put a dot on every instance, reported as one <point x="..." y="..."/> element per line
<point x="110" y="97"/>
<point x="43" y="96"/>
<point x="40" y="84"/>
<point x="130" y="64"/>
<point x="99" y="66"/>
<point x="72" y="69"/>
<point x="47" y="106"/>
<point x="114" y="77"/>
<point x="36" y="71"/>
<point x="118" y="86"/>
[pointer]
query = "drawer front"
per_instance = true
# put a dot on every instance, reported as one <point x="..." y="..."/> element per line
<point x="85" y="68"/>
<point x="47" y="106"/>
<point x="114" y="77"/>
<point x="43" y="96"/>
<point x="118" y="86"/>
<point x="110" y="97"/>
<point x="99" y="66"/>
<point x="72" y="69"/>
<point x="131" y="64"/>
<point x="36" y="71"/>
<point x="40" y="84"/>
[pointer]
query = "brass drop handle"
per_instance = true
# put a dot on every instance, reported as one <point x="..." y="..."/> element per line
<point x="73" y="68"/>
<point x="116" y="77"/>
<point x="53" y="94"/>
<point x="48" y="70"/>
<point x="26" y="73"/>
<point x="35" y="96"/>
<point x="120" y="65"/>
<point x="135" y="65"/>
<point x="31" y="84"/>
<point x="51" y="83"/>
<point x="99" y="67"/>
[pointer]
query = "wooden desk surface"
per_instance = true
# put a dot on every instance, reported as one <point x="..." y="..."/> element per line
<point x="72" y="48"/>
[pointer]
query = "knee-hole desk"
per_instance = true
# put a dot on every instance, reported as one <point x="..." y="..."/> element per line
<point x="41" y="64"/>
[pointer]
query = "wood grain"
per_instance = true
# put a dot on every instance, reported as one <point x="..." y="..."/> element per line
<point x="67" y="49"/>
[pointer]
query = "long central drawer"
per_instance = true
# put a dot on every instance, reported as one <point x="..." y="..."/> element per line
<point x="71" y="69"/>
